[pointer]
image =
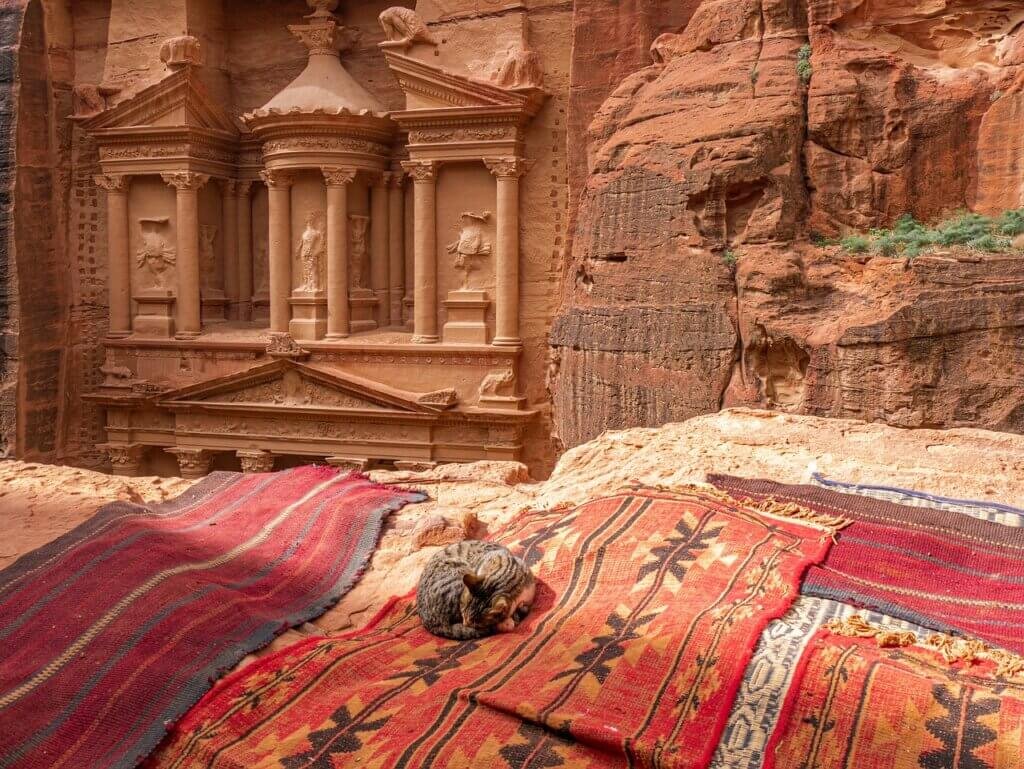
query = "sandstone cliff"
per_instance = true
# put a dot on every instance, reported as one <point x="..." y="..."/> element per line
<point x="761" y="124"/>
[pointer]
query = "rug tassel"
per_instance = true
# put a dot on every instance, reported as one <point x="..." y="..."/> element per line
<point x="952" y="648"/>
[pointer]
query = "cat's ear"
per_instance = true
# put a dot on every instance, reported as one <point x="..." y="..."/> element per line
<point x="472" y="582"/>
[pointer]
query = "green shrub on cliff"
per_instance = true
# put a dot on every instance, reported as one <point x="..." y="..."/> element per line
<point x="909" y="237"/>
<point x="803" y="63"/>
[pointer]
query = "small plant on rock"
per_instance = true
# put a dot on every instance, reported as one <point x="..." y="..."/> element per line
<point x="803" y="63"/>
<point x="729" y="258"/>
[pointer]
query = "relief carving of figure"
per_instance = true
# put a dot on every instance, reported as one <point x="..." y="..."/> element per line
<point x="207" y="254"/>
<point x="154" y="256"/>
<point x="470" y="245"/>
<point x="498" y="383"/>
<point x="519" y="69"/>
<point x="260" y="265"/>
<point x="403" y="27"/>
<point x="312" y="246"/>
<point x="358" y="226"/>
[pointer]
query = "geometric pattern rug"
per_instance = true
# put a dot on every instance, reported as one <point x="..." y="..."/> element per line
<point x="648" y="607"/>
<point x="855" y="704"/>
<point x="989" y="511"/>
<point x="938" y="569"/>
<point x="769" y="676"/>
<point x="114" y="630"/>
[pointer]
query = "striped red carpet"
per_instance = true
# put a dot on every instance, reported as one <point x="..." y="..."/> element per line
<point x="855" y="705"/>
<point x="648" y="608"/>
<point x="113" y="631"/>
<point x="939" y="569"/>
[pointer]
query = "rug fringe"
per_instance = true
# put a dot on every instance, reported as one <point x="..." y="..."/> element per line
<point x="951" y="648"/>
<point x="769" y="506"/>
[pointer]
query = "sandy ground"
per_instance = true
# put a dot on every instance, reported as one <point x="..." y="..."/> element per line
<point x="37" y="502"/>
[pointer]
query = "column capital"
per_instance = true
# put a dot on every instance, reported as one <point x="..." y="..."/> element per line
<point x="335" y="176"/>
<point x="421" y="170"/>
<point x="185" y="180"/>
<point x="508" y="167"/>
<point x="394" y="179"/>
<point x="112" y="182"/>
<point x="276" y="179"/>
<point x="229" y="187"/>
<point x="255" y="460"/>
<point x="243" y="187"/>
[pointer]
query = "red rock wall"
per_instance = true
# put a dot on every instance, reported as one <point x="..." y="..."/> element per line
<point x="691" y="285"/>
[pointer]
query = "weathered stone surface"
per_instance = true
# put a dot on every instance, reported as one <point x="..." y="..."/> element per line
<point x="691" y="283"/>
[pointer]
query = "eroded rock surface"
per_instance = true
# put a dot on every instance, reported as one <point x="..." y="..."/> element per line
<point x="692" y="283"/>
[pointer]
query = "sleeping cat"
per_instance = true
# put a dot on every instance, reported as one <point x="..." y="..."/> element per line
<point x="472" y="589"/>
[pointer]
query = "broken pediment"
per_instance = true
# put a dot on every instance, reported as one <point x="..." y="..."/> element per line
<point x="287" y="384"/>
<point x="428" y="86"/>
<point x="179" y="101"/>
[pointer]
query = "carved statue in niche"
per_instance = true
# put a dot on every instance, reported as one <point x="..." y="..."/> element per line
<point x="358" y="226"/>
<point x="260" y="265"/>
<point x="312" y="246"/>
<point x="207" y="254"/>
<point x="403" y="27"/>
<point x="470" y="245"/>
<point x="154" y="256"/>
<point x="519" y="69"/>
<point x="554" y="365"/>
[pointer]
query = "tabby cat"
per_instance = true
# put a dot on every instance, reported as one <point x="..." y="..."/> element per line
<point x="471" y="589"/>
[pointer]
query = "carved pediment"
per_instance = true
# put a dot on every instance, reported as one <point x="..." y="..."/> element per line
<point x="177" y="101"/>
<point x="432" y="87"/>
<point x="286" y="384"/>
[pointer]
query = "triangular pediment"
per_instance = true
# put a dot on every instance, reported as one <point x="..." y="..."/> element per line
<point x="427" y="86"/>
<point x="286" y="384"/>
<point x="179" y="100"/>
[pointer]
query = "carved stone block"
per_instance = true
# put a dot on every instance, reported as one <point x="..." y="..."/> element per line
<point x="309" y="315"/>
<point x="467" y="317"/>
<point x="154" y="314"/>
<point x="363" y="310"/>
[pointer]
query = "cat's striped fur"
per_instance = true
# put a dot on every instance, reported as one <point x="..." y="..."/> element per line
<point x="471" y="589"/>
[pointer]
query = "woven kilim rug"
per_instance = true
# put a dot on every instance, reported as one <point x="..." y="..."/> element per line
<point x="990" y="511"/>
<point x="938" y="569"/>
<point x="856" y="705"/>
<point x="769" y="675"/>
<point x="114" y="630"/>
<point x="648" y="607"/>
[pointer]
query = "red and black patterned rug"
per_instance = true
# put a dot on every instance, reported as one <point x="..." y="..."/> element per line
<point x="940" y="569"/>
<point x="113" y="631"/>
<point x="648" y="608"/>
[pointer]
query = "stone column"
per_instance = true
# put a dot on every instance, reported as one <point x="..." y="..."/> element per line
<point x="396" y="242"/>
<point x="280" y="248"/>
<point x="255" y="460"/>
<point x="118" y="259"/>
<point x="187" y="185"/>
<point x="424" y="175"/>
<point x="243" y="216"/>
<point x="338" y="316"/>
<point x="379" y="264"/>
<point x="193" y="464"/>
<point x="229" y="226"/>
<point x="506" y="263"/>
<point x="124" y="459"/>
